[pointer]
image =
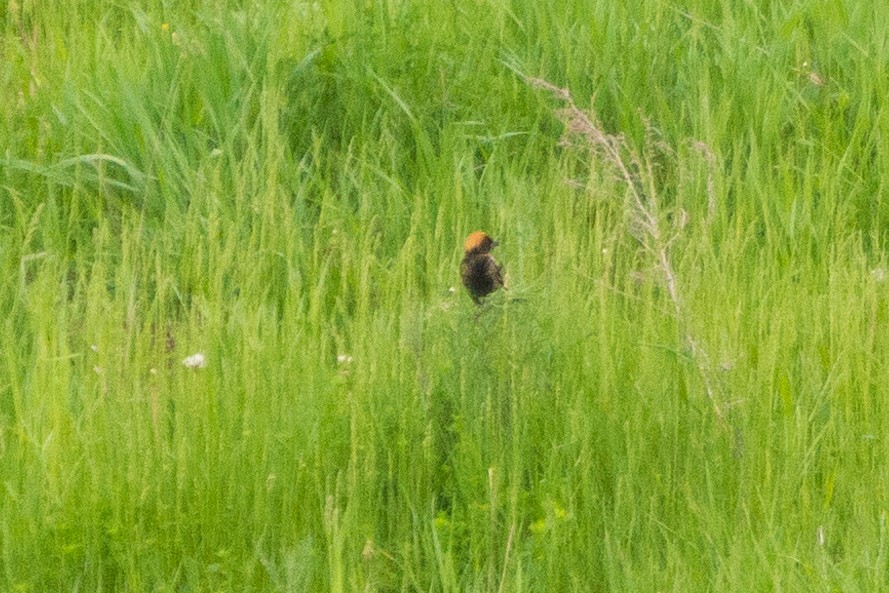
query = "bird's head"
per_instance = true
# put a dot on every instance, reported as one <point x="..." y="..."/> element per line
<point x="479" y="242"/>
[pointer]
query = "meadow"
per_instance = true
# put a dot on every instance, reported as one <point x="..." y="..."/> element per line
<point x="684" y="388"/>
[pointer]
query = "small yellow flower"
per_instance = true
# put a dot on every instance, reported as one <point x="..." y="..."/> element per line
<point x="165" y="27"/>
<point x="538" y="527"/>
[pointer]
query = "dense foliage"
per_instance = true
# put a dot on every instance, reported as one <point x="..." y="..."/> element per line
<point x="683" y="388"/>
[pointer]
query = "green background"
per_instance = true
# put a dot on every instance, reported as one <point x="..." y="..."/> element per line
<point x="683" y="389"/>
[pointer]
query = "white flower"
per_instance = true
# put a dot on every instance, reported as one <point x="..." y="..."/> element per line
<point x="343" y="358"/>
<point x="878" y="274"/>
<point x="196" y="361"/>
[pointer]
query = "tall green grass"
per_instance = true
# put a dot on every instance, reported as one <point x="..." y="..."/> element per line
<point x="683" y="387"/>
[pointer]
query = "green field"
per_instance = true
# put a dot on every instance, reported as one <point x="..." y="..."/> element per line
<point x="685" y="387"/>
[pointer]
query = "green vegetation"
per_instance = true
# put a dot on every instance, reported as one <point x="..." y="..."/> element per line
<point x="685" y="388"/>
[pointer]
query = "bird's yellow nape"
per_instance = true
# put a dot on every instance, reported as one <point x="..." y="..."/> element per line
<point x="476" y="240"/>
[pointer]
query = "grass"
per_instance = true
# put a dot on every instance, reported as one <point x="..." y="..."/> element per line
<point x="683" y="388"/>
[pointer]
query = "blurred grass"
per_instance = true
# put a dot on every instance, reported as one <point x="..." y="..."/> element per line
<point x="285" y="188"/>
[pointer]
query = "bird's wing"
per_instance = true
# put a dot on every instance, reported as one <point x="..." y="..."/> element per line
<point x="495" y="271"/>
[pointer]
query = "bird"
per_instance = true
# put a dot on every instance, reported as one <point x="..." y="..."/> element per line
<point x="480" y="271"/>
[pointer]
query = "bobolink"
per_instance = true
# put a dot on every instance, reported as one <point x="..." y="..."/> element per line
<point x="480" y="272"/>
